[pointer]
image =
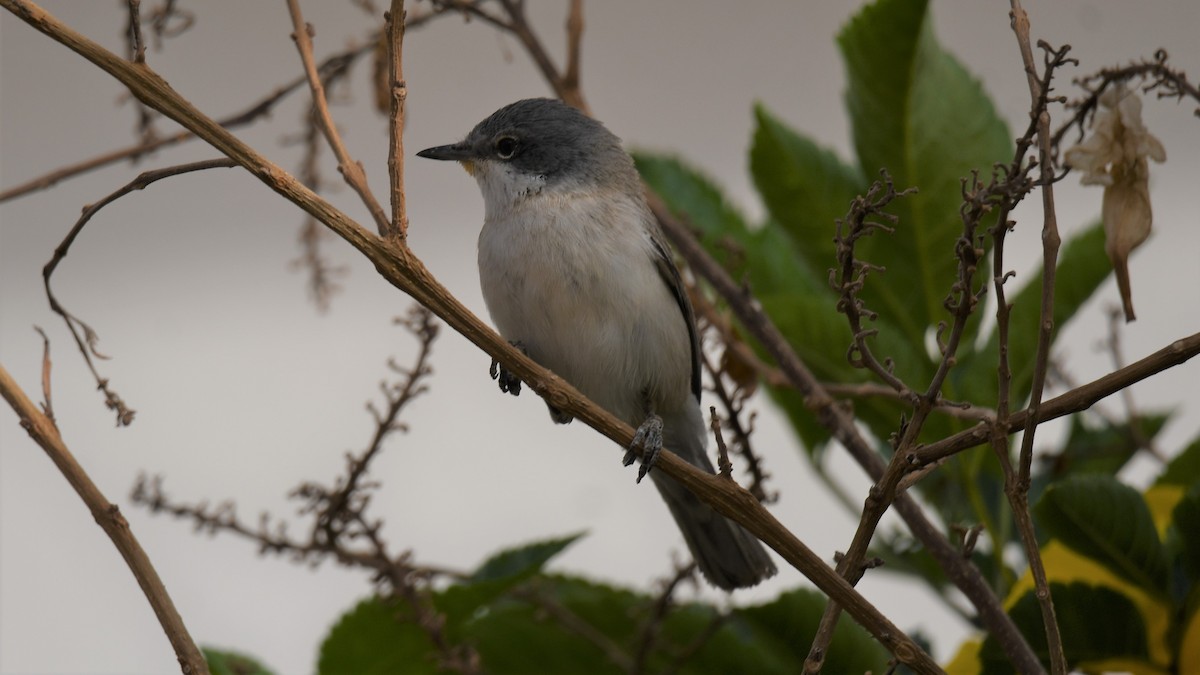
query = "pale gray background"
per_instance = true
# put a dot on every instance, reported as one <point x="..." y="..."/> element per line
<point x="243" y="391"/>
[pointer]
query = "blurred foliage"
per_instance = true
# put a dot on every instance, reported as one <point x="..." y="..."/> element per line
<point x="916" y="112"/>
<point x="526" y="620"/>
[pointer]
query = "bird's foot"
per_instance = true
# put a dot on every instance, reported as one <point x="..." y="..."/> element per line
<point x="509" y="383"/>
<point x="650" y="439"/>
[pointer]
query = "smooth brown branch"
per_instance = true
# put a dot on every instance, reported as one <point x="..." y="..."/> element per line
<point x="1018" y="489"/>
<point x="398" y="94"/>
<point x="950" y="408"/>
<point x="1081" y="398"/>
<point x="351" y="169"/>
<point x="43" y="431"/>
<point x="87" y="341"/>
<point x="404" y="270"/>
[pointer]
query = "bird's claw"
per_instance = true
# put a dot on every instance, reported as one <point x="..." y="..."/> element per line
<point x="509" y="383"/>
<point x="649" y="438"/>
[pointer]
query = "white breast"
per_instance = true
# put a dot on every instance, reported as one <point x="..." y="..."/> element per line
<point x="572" y="277"/>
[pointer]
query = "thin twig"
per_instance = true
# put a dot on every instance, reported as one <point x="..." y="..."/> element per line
<point x="398" y="90"/>
<point x="109" y="517"/>
<point x="47" y="401"/>
<point x="137" y="46"/>
<point x="724" y="466"/>
<point x="350" y="169"/>
<point x="87" y="342"/>
<point x="1081" y="398"/>
<point x="1018" y="490"/>
<point x="1166" y="81"/>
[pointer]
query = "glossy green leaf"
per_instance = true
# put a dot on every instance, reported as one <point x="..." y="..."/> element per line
<point x="915" y="111"/>
<point x="517" y="636"/>
<point x="376" y="638"/>
<point x="497" y="575"/>
<point x="1096" y="623"/>
<point x="1184" y="468"/>
<point x="226" y="662"/>
<point x="1185" y="526"/>
<point x="688" y="192"/>
<point x="806" y="188"/>
<point x="1109" y="522"/>
<point x="790" y="622"/>
<point x="1097" y="448"/>
<point x="522" y="561"/>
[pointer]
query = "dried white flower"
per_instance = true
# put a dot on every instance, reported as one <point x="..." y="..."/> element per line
<point x="1116" y="156"/>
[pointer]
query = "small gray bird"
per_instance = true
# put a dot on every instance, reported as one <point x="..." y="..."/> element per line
<point x="575" y="272"/>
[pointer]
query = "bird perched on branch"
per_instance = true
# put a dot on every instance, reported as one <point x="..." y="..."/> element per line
<point x="575" y="271"/>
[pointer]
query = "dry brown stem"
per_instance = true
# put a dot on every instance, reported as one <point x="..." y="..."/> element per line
<point x="1017" y="487"/>
<point x="1081" y="398"/>
<point x="43" y="431"/>
<point x="87" y="341"/>
<point x="351" y="169"/>
<point x="398" y="94"/>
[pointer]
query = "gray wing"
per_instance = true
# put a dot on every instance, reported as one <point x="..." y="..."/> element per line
<point x="670" y="275"/>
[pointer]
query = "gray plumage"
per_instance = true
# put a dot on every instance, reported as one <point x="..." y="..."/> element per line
<point x="575" y="270"/>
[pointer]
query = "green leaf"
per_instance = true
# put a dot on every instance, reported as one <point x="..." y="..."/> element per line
<point x="687" y="192"/>
<point x="226" y="662"/>
<point x="376" y="638"/>
<point x="497" y="575"/>
<point x="1094" y="449"/>
<point x="806" y="188"/>
<point x="522" y="561"/>
<point x="1096" y="623"/>
<point x="1184" y="469"/>
<point x="1185" y="533"/>
<point x="516" y="636"/>
<point x="915" y="111"/>
<point x="1109" y="522"/>
<point x="790" y="623"/>
<point x="764" y="256"/>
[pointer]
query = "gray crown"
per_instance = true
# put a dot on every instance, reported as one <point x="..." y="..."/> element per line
<point x="546" y="137"/>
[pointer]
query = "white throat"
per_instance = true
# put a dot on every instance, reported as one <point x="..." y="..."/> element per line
<point x="503" y="187"/>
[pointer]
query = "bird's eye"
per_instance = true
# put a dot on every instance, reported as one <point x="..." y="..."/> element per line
<point x="506" y="147"/>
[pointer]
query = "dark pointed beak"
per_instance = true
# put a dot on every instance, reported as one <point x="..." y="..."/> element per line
<point x="458" y="152"/>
